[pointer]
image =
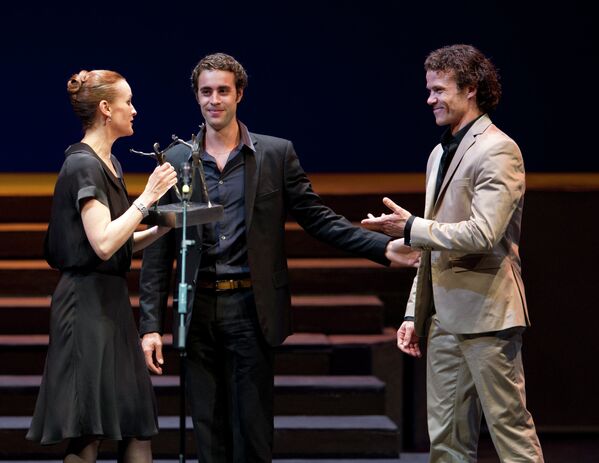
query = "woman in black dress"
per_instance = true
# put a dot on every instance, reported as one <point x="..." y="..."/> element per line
<point x="95" y="384"/>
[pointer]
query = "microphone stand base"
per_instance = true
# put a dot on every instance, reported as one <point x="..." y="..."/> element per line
<point x="171" y="215"/>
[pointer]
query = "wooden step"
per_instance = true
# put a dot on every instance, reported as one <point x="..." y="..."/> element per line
<point x="341" y="314"/>
<point x="36" y="209"/>
<point x="406" y="457"/>
<point x="23" y="354"/>
<point x="329" y="395"/>
<point x="328" y="436"/>
<point x="307" y="276"/>
<point x="360" y="314"/>
<point x="26" y="208"/>
<point x="308" y="395"/>
<point x="301" y="354"/>
<point x="26" y="241"/>
<point x="330" y="354"/>
<point x="347" y="436"/>
<point x="22" y="240"/>
<point x="25" y="315"/>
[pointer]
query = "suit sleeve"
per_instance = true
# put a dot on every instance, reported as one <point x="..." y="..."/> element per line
<point x="321" y="222"/>
<point x="411" y="304"/>
<point x="498" y="188"/>
<point x="155" y="282"/>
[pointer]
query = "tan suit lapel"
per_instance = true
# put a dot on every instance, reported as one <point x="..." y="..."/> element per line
<point x="423" y="301"/>
<point x="423" y="308"/>
<point x="431" y="182"/>
<point x="469" y="139"/>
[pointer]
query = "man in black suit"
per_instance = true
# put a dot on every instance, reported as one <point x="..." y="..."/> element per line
<point x="239" y="304"/>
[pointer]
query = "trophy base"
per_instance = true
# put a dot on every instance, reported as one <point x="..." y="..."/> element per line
<point x="171" y="215"/>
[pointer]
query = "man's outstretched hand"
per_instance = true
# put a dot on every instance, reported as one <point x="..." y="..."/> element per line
<point x="390" y="224"/>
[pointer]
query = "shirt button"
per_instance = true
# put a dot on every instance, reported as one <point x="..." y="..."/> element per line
<point x="223" y="237"/>
<point x="220" y="182"/>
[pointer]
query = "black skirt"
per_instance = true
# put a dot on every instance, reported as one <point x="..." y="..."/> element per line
<point x="95" y="380"/>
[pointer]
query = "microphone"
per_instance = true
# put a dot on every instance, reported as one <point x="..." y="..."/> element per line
<point x="186" y="179"/>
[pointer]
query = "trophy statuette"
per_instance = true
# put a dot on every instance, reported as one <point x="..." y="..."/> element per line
<point x="173" y="215"/>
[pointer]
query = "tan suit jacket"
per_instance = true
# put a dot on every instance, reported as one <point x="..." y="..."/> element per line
<point x="470" y="266"/>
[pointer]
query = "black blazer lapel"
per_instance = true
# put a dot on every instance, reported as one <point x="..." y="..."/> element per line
<point x="252" y="174"/>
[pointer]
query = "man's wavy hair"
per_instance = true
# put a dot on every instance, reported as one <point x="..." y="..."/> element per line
<point x="220" y="62"/>
<point x="470" y="68"/>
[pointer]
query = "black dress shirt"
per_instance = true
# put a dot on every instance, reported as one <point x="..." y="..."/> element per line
<point x="224" y="245"/>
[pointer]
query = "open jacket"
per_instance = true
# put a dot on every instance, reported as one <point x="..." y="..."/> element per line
<point x="275" y="185"/>
<point x="470" y="265"/>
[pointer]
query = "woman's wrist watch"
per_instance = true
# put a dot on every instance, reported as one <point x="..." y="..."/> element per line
<point x="141" y="207"/>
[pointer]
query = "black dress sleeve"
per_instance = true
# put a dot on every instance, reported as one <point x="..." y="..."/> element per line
<point x="87" y="179"/>
<point x="66" y="245"/>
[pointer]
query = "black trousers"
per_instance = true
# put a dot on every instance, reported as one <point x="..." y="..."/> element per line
<point x="230" y="379"/>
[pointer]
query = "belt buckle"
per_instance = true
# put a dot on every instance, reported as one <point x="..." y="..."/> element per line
<point x="225" y="285"/>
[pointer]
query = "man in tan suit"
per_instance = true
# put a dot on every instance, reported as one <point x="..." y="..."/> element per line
<point x="468" y="292"/>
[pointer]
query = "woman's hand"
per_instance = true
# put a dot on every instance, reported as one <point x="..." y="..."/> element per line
<point x="160" y="181"/>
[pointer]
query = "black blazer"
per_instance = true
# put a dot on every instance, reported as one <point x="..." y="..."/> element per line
<point x="275" y="185"/>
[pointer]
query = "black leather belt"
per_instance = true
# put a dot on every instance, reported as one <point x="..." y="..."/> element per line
<point x="224" y="285"/>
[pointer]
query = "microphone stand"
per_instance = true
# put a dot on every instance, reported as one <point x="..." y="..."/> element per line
<point x="182" y="311"/>
<point x="177" y="217"/>
<point x="183" y="286"/>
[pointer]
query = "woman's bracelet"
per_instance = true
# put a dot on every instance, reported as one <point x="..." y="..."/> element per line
<point x="141" y="207"/>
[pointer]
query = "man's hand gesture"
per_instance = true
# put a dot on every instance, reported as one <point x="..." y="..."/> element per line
<point x="390" y="224"/>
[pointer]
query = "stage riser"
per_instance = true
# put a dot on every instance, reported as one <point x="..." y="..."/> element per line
<point x="351" y="279"/>
<point x="335" y="440"/>
<point x="364" y="315"/>
<point x="348" y="396"/>
<point x="29" y="359"/>
<point x="27" y="244"/>
<point x="36" y="209"/>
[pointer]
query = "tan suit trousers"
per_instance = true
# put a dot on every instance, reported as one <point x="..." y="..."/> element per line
<point x="468" y="375"/>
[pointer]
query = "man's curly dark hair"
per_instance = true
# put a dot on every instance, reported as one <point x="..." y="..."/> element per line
<point x="470" y="68"/>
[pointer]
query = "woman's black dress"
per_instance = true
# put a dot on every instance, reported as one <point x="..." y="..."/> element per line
<point x="95" y="380"/>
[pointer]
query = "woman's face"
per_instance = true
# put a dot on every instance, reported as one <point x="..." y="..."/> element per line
<point x="122" y="111"/>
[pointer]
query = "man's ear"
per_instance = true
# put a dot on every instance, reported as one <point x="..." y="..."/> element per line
<point x="239" y="95"/>
<point x="471" y="91"/>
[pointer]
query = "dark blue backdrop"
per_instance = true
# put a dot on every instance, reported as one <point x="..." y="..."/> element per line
<point x="343" y="80"/>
